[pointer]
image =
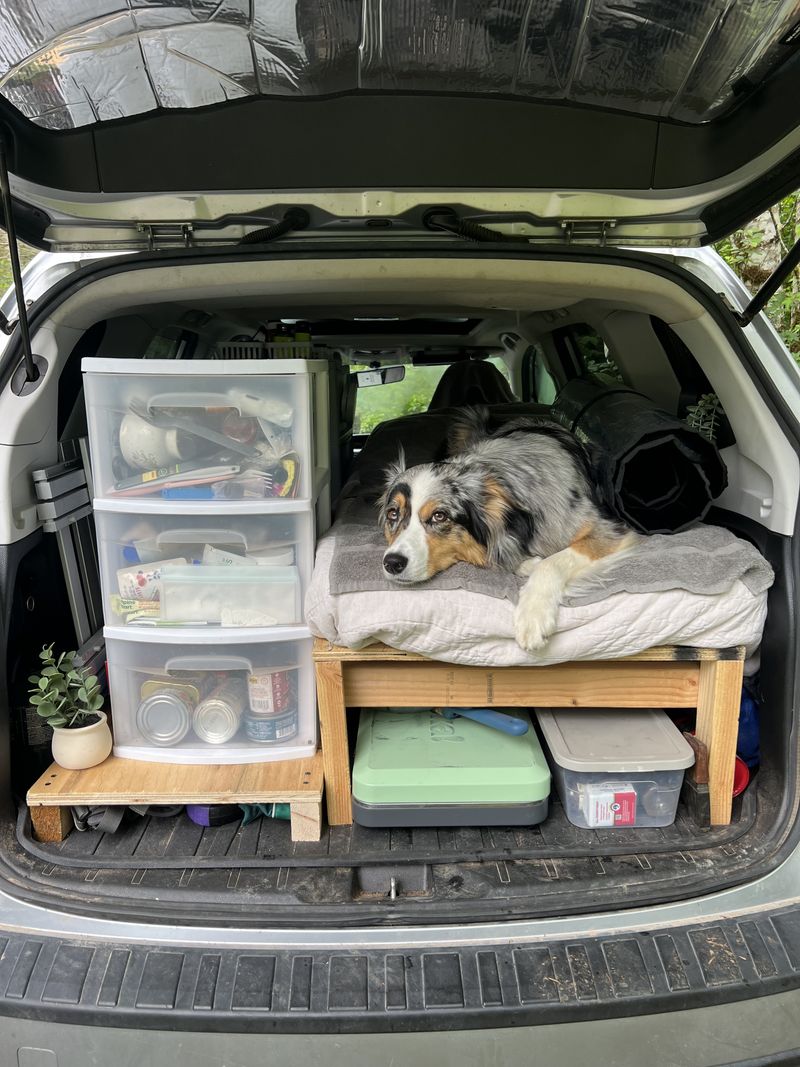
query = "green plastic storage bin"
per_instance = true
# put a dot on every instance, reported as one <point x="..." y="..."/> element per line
<point x="415" y="768"/>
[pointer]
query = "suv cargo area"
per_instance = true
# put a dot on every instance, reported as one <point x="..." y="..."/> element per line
<point x="543" y="318"/>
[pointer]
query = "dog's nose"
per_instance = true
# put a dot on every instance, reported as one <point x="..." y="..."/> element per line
<point x="394" y="563"/>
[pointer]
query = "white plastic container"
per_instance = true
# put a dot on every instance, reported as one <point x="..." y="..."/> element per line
<point x="166" y="431"/>
<point x="192" y="668"/>
<point x="616" y="769"/>
<point x="226" y="569"/>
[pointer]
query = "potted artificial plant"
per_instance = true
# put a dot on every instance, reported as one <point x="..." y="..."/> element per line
<point x="69" y="699"/>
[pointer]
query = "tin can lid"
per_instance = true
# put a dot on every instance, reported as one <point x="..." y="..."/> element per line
<point x="215" y="721"/>
<point x="163" y="718"/>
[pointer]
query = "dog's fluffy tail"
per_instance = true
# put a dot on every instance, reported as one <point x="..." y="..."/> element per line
<point x="469" y="426"/>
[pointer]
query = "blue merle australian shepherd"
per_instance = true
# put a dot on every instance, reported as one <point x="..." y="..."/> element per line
<point x="522" y="498"/>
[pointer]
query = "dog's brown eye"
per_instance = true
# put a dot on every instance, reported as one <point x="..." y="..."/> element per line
<point x="392" y="514"/>
<point x="439" y="516"/>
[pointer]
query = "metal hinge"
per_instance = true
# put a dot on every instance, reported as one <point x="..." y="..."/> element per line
<point x="587" y="230"/>
<point x="166" y="234"/>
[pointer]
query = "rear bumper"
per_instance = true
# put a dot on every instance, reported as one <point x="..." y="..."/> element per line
<point x="754" y="1033"/>
<point x="208" y="987"/>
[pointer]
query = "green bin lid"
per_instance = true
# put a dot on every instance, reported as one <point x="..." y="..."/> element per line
<point x="415" y="756"/>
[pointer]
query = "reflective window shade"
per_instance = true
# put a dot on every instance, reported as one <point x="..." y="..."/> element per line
<point x="73" y="63"/>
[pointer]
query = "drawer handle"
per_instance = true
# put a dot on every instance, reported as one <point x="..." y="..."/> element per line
<point x="196" y="537"/>
<point x="208" y="663"/>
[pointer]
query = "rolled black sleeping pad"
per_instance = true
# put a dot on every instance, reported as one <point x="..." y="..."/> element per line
<point x="654" y="472"/>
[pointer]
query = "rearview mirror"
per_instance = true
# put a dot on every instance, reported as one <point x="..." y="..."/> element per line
<point x="380" y="376"/>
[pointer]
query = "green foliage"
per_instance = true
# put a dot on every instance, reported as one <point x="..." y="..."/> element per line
<point x="705" y="416"/>
<point x="745" y="251"/>
<point x="378" y="403"/>
<point x="26" y="254"/>
<point x="62" y="694"/>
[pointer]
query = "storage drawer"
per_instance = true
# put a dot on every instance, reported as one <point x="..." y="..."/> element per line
<point x="209" y="569"/>
<point x="188" y="701"/>
<point x="163" y="432"/>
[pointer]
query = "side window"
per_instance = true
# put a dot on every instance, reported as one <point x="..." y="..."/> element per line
<point x="698" y="404"/>
<point x="584" y="352"/>
<point x="538" y="384"/>
<point x="172" y="343"/>
<point x="502" y="366"/>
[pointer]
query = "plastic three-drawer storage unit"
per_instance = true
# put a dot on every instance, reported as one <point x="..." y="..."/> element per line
<point x="209" y="481"/>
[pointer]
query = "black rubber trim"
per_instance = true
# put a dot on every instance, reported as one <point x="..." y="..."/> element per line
<point x="230" y="848"/>
<point x="349" y="990"/>
<point x="789" y="1058"/>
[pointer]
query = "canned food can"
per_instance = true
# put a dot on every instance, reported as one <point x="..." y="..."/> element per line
<point x="217" y="718"/>
<point x="270" y="691"/>
<point x="156" y="685"/>
<point x="271" y="730"/>
<point x="164" y="716"/>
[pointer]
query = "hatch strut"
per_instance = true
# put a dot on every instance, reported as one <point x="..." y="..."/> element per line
<point x="770" y="286"/>
<point x="31" y="370"/>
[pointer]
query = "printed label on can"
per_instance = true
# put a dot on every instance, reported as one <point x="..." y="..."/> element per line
<point x="271" y="730"/>
<point x="270" y="691"/>
<point x="609" y="804"/>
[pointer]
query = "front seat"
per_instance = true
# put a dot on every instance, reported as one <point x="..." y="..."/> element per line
<point x="471" y="382"/>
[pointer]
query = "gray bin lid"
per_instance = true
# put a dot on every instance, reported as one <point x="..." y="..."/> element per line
<point x="611" y="741"/>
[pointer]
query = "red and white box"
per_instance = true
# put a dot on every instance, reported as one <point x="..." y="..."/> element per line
<point x="610" y="804"/>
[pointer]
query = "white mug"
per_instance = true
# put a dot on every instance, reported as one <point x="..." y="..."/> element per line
<point x="147" y="447"/>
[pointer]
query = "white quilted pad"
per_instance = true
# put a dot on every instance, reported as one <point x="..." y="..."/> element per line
<point x="458" y="626"/>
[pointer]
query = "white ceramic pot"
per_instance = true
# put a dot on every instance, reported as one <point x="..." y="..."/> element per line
<point x="83" y="746"/>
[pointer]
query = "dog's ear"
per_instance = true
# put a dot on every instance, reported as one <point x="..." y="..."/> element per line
<point x="391" y="474"/>
<point x="394" y="470"/>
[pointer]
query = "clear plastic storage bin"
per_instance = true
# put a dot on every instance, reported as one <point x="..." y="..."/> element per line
<point x="615" y="769"/>
<point x="180" y="700"/>
<point x="163" y="432"/>
<point x="209" y="568"/>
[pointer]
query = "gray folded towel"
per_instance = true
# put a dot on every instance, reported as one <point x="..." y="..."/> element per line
<point x="704" y="559"/>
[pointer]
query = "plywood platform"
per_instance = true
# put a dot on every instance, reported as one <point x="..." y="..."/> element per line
<point x="123" y="781"/>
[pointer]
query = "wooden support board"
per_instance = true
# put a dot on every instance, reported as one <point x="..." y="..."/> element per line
<point x="707" y="679"/>
<point x="123" y="781"/>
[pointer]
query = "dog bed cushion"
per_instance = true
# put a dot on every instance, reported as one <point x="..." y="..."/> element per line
<point x="703" y="587"/>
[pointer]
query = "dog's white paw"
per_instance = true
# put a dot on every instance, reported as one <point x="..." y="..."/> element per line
<point x="534" y="622"/>
<point x="528" y="566"/>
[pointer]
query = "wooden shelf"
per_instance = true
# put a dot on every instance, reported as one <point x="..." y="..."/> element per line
<point x="123" y="781"/>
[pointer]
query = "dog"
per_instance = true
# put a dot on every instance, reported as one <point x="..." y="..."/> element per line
<point x="522" y="498"/>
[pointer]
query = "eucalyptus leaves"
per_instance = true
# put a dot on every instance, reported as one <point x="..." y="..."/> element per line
<point x="62" y="694"/>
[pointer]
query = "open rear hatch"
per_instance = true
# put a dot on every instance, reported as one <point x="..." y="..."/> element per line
<point x="186" y="123"/>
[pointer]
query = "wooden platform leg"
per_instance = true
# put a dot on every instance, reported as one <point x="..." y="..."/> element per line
<point x="719" y="698"/>
<point x="50" y="824"/>
<point x="335" y="752"/>
<point x="306" y="820"/>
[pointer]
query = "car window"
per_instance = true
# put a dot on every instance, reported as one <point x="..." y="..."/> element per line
<point x="593" y="353"/>
<point x="502" y="366"/>
<point x="377" y="403"/>
<point x="539" y="385"/>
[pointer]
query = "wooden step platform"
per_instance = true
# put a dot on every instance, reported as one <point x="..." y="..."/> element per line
<point x="123" y="781"/>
